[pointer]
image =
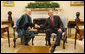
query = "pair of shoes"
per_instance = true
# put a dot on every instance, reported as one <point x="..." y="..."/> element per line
<point x="53" y="49"/>
<point x="58" y="45"/>
<point x="27" y="44"/>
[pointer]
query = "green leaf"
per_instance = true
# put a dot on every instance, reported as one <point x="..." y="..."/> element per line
<point x="43" y="5"/>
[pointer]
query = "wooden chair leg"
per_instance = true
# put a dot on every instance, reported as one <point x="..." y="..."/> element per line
<point x="80" y="37"/>
<point x="14" y="42"/>
<point x="32" y="41"/>
<point x="53" y="38"/>
<point x="66" y="35"/>
<point x="63" y="43"/>
<point x="66" y="39"/>
<point x="75" y="40"/>
<point x="14" y="38"/>
<point x="46" y="42"/>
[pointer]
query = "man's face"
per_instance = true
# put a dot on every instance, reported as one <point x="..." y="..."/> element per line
<point x="28" y="12"/>
<point x="50" y="14"/>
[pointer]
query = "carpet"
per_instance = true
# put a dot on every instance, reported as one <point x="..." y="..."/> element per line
<point x="40" y="41"/>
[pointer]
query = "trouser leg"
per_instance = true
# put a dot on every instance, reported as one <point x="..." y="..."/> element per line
<point x="29" y="35"/>
<point x="27" y="40"/>
<point x="57" y="42"/>
<point x="48" y="35"/>
<point x="23" y="38"/>
<point x="58" y="38"/>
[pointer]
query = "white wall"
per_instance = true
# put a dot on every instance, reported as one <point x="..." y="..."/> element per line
<point x="70" y="11"/>
<point x="17" y="10"/>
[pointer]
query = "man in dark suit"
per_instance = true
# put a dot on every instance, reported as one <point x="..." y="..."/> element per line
<point x="53" y="25"/>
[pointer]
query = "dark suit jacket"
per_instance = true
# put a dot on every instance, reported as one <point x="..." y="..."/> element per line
<point x="57" y="21"/>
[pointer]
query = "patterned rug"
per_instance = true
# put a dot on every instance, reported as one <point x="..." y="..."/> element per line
<point x="40" y="41"/>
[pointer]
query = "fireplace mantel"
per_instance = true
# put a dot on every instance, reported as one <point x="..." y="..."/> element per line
<point x="43" y="12"/>
<point x="45" y="9"/>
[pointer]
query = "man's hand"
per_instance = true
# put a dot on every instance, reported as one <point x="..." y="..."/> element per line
<point x="59" y="30"/>
<point x="29" y="28"/>
<point x="37" y="26"/>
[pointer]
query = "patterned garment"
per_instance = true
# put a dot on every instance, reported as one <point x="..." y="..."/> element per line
<point x="22" y="24"/>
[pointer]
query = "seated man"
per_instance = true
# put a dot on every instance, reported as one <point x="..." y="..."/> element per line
<point x="23" y="27"/>
<point x="54" y="25"/>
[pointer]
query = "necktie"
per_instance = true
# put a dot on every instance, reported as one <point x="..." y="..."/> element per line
<point x="52" y="22"/>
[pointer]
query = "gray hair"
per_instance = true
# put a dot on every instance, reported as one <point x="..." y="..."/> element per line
<point x="28" y="9"/>
<point x="50" y="11"/>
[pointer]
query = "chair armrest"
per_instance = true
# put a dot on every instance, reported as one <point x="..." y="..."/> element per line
<point x="14" y="27"/>
<point x="63" y="33"/>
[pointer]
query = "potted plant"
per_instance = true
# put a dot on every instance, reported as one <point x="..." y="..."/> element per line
<point x="42" y="5"/>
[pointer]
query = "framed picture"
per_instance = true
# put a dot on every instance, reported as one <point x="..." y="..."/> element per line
<point x="8" y="3"/>
<point x="77" y="3"/>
